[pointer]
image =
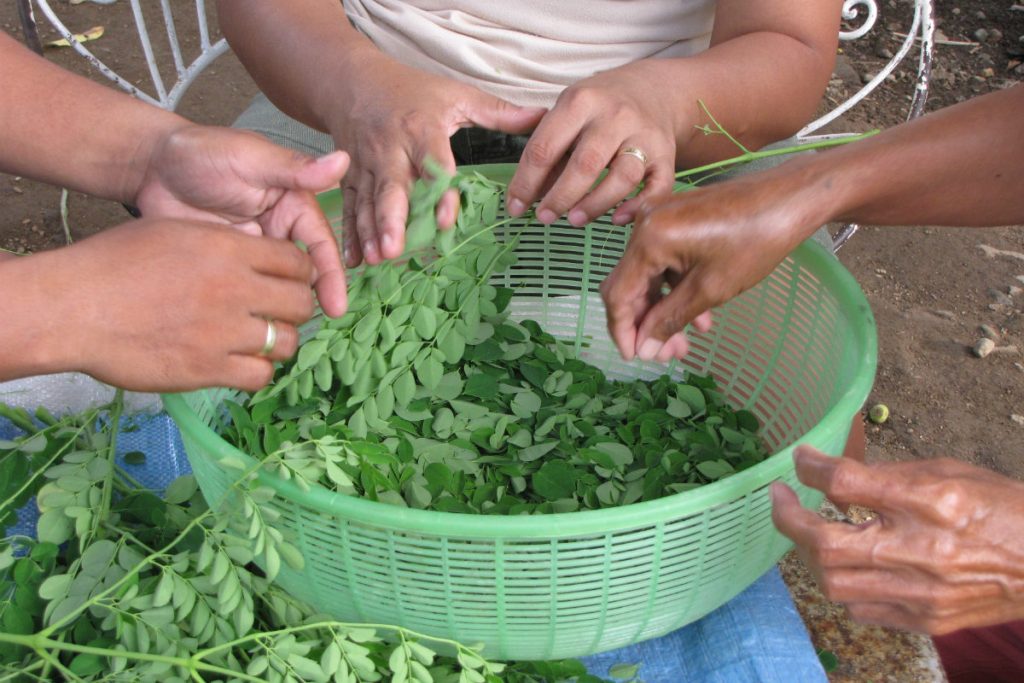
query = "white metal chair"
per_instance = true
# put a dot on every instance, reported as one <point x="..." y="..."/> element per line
<point x="160" y="95"/>
<point x="922" y="30"/>
<point x="860" y="18"/>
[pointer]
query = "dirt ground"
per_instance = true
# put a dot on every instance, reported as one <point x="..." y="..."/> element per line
<point x="932" y="289"/>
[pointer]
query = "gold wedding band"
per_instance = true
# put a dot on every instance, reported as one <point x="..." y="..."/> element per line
<point x="271" y="342"/>
<point x="635" y="152"/>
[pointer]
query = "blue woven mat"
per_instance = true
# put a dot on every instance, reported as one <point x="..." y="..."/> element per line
<point x="757" y="637"/>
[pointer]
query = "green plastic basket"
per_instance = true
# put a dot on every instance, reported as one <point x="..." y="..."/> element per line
<point x="798" y="350"/>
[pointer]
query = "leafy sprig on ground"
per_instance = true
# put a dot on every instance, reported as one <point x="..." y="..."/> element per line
<point x="153" y="588"/>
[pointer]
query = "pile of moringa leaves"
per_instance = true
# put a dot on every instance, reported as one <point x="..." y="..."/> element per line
<point x="427" y="394"/>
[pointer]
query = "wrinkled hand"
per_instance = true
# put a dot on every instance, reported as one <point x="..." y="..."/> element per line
<point x="592" y="122"/>
<point x="159" y="305"/>
<point x="946" y="551"/>
<point x="706" y="246"/>
<point x="220" y="175"/>
<point x="396" y="119"/>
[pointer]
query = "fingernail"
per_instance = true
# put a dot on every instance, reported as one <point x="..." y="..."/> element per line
<point x="386" y="242"/>
<point x="801" y="455"/>
<point x="577" y="218"/>
<point x="369" y="249"/>
<point x="774" y="490"/>
<point x="516" y="207"/>
<point x="547" y="216"/>
<point x="648" y="349"/>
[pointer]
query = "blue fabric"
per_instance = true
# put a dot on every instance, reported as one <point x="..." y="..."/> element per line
<point x="758" y="636"/>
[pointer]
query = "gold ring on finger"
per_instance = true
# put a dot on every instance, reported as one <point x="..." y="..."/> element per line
<point x="271" y="341"/>
<point x="635" y="152"/>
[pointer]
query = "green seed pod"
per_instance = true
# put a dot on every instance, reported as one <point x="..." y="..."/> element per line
<point x="879" y="413"/>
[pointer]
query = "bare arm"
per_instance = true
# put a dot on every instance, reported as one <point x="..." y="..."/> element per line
<point x="762" y="77"/>
<point x="66" y="130"/>
<point x="962" y="165"/>
<point x="285" y="45"/>
<point x="958" y="166"/>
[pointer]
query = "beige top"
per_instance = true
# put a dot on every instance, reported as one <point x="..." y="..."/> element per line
<point x="527" y="51"/>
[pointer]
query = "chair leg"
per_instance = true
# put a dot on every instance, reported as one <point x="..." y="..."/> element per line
<point x="28" y="26"/>
<point x="844" y="234"/>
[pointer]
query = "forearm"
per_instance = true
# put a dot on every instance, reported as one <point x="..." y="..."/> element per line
<point x="66" y="130"/>
<point x="33" y="316"/>
<point x="285" y="47"/>
<point x="962" y="166"/>
<point x="761" y="79"/>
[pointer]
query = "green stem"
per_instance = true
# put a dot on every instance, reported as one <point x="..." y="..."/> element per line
<point x="19" y="417"/>
<point x="28" y="670"/>
<point x="134" y="483"/>
<point x="43" y="645"/>
<point x="722" y="130"/>
<point x="765" y="154"/>
<point x="149" y="559"/>
<point x="326" y="625"/>
<point x="60" y="451"/>
<point x="64" y="216"/>
<point x="54" y="662"/>
<point x="95" y="599"/>
<point x="108" y="483"/>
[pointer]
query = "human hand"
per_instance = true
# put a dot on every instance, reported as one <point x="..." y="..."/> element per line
<point x="707" y="246"/>
<point x="220" y="175"/>
<point x="944" y="553"/>
<point x="395" y="119"/>
<point x="586" y="132"/>
<point x="159" y="305"/>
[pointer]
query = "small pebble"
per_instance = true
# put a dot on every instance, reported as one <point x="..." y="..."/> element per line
<point x="1019" y="419"/>
<point x="942" y="313"/>
<point x="983" y="347"/>
<point x="1014" y="290"/>
<point x="989" y="332"/>
<point x="981" y="35"/>
<point x="988" y="72"/>
<point x="995" y="35"/>
<point x="1001" y="298"/>
<point x="956" y="11"/>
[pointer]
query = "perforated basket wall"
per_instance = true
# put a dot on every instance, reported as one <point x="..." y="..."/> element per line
<point x="798" y="350"/>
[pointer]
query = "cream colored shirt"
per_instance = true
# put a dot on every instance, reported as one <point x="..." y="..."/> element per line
<point x="527" y="51"/>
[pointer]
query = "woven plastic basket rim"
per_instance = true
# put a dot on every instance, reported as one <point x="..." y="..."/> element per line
<point x="834" y="423"/>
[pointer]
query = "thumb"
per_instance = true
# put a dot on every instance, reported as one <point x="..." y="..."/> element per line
<point x="280" y="168"/>
<point x="494" y="113"/>
<point x="319" y="174"/>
